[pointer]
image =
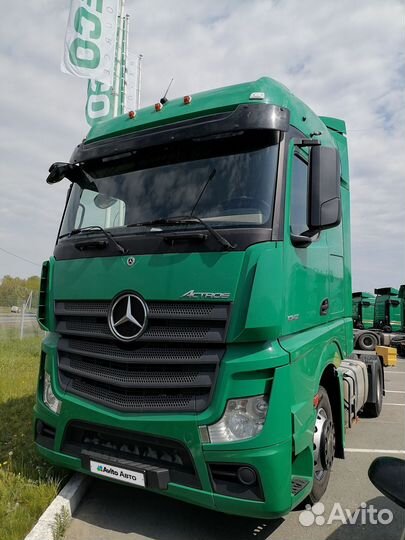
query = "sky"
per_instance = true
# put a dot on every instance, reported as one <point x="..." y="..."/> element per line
<point x="344" y="59"/>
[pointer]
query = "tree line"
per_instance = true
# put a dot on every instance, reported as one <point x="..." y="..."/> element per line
<point x="14" y="291"/>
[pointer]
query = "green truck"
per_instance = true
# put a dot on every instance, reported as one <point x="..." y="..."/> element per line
<point x="386" y="311"/>
<point x="363" y="310"/>
<point x="388" y="308"/>
<point x="398" y="338"/>
<point x="198" y="303"/>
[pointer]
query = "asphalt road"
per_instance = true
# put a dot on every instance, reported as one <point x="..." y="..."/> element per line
<point x="114" y="512"/>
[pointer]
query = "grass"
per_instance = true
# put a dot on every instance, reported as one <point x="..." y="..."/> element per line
<point x="27" y="483"/>
<point x="61" y="524"/>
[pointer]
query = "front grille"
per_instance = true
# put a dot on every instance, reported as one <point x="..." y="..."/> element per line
<point x="133" y="399"/>
<point x="138" y="447"/>
<point x="171" y="367"/>
<point x="134" y="377"/>
<point x="191" y="310"/>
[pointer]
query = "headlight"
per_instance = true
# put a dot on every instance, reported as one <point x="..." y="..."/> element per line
<point x="243" y="418"/>
<point x="49" y="397"/>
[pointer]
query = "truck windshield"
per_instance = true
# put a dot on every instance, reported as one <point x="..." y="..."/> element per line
<point x="227" y="180"/>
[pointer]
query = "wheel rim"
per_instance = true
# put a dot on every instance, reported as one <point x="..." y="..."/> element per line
<point x="368" y="341"/>
<point x="324" y="444"/>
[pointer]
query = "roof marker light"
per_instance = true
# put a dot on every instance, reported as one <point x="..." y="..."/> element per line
<point x="257" y="95"/>
<point x="187" y="100"/>
<point x="132" y="114"/>
<point x="158" y="107"/>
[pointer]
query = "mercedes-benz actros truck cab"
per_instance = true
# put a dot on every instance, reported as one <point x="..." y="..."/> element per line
<point x="198" y="302"/>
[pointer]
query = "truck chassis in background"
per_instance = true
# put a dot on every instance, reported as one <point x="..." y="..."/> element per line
<point x="368" y="340"/>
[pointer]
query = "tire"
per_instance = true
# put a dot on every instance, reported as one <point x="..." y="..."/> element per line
<point x="324" y="446"/>
<point x="373" y="410"/>
<point x="367" y="342"/>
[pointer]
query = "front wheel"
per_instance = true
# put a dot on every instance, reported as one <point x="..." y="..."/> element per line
<point x="323" y="445"/>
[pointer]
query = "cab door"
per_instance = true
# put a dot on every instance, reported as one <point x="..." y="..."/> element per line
<point x="307" y="280"/>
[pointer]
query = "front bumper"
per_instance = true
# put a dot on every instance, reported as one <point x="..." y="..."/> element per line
<point x="269" y="454"/>
<point x="272" y="464"/>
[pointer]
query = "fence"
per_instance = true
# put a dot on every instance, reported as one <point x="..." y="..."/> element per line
<point x="18" y="325"/>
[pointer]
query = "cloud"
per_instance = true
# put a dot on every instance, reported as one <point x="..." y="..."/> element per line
<point x="344" y="59"/>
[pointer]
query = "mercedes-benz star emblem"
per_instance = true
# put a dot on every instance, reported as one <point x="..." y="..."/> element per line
<point x="127" y="317"/>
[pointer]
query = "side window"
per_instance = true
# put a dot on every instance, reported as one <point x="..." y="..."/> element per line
<point x="299" y="196"/>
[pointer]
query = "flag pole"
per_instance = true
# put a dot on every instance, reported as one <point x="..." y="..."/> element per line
<point x="118" y="59"/>
<point x="138" y="84"/>
<point x="124" y="82"/>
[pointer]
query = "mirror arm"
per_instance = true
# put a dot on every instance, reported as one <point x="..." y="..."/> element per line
<point x="299" y="240"/>
<point x="301" y="143"/>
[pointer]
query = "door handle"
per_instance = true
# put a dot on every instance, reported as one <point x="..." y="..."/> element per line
<point x="324" y="307"/>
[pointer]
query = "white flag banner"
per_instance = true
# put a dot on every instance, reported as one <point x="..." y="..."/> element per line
<point x="99" y="104"/>
<point x="131" y="104"/>
<point x="90" y="40"/>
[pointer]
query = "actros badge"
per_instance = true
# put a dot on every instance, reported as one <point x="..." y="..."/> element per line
<point x="128" y="317"/>
<point x="195" y="294"/>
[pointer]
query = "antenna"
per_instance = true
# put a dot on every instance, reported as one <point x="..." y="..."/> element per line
<point x="164" y="99"/>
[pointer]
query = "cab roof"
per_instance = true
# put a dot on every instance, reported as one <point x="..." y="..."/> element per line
<point x="220" y="100"/>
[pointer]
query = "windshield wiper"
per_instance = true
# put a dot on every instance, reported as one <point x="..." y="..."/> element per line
<point x="97" y="228"/>
<point x="185" y="220"/>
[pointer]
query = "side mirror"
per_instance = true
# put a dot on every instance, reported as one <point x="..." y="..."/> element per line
<point x="388" y="476"/>
<point x="325" y="208"/>
<point x="59" y="170"/>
